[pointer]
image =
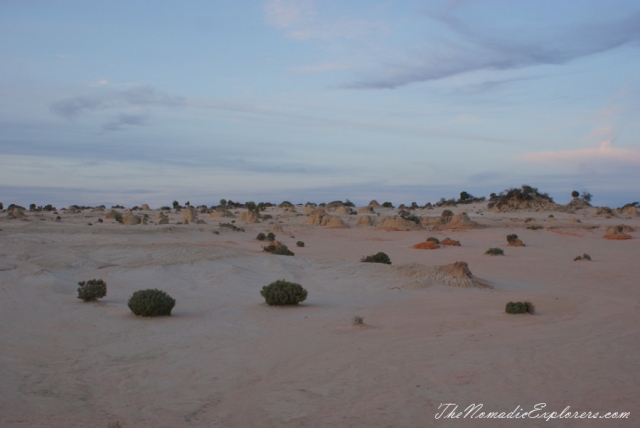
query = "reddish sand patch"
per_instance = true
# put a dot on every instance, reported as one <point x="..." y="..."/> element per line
<point x="427" y="245"/>
<point x="448" y="241"/>
<point x="617" y="236"/>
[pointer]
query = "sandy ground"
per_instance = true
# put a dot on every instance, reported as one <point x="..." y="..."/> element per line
<point x="226" y="359"/>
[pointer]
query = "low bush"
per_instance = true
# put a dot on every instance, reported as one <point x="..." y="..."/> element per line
<point x="431" y="238"/>
<point x="358" y="320"/>
<point x="377" y="258"/>
<point x="117" y="217"/>
<point x="278" y="250"/>
<point x="93" y="289"/>
<point x="495" y="252"/>
<point x="512" y="238"/>
<point x="281" y="292"/>
<point x="271" y="236"/>
<point x="519" y="308"/>
<point x="585" y="256"/>
<point x="151" y="303"/>
<point x="261" y="236"/>
<point x="300" y="244"/>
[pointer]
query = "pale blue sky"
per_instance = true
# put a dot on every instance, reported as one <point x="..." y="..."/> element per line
<point x="137" y="102"/>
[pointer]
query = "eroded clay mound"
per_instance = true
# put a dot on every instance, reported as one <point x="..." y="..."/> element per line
<point x="619" y="232"/>
<point x="249" y="217"/>
<point x="453" y="275"/>
<point x="526" y="198"/>
<point x="451" y="242"/>
<point x="220" y="213"/>
<point x="365" y="220"/>
<point x="603" y="212"/>
<point x="399" y="223"/>
<point x="326" y="220"/>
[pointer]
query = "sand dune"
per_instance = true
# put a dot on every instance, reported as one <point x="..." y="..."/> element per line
<point x="433" y="332"/>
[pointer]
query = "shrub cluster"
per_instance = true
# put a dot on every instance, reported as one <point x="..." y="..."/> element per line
<point x="93" y="289"/>
<point x="261" y="236"/>
<point x="281" y="292"/>
<point x="377" y="258"/>
<point x="151" y="303"/>
<point x="585" y="256"/>
<point x="512" y="238"/>
<point x="495" y="252"/>
<point x="279" y="250"/>
<point x="519" y="308"/>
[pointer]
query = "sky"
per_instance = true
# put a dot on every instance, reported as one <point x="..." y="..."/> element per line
<point x="132" y="102"/>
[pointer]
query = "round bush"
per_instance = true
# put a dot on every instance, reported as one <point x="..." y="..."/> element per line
<point x="281" y="292"/>
<point x="377" y="258"/>
<point x="495" y="252"/>
<point x="261" y="236"/>
<point x="93" y="289"/>
<point x="519" y="308"/>
<point x="151" y="303"/>
<point x="300" y="244"/>
<point x="431" y="238"/>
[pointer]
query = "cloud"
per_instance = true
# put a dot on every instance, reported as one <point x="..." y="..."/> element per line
<point x="71" y="108"/>
<point x="471" y="49"/>
<point x="320" y="68"/>
<point x="101" y="82"/>
<point x="125" y="119"/>
<point x="300" y="20"/>
<point x="605" y="153"/>
<point x="289" y="13"/>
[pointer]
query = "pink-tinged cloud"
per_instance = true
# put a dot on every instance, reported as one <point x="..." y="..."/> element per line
<point x="606" y="152"/>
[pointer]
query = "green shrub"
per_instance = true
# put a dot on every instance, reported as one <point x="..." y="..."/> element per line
<point x="151" y="303"/>
<point x="585" y="256"/>
<point x="431" y="238"/>
<point x="281" y="292"/>
<point x="377" y="258"/>
<point x="280" y="250"/>
<point x="261" y="236"/>
<point x="534" y="227"/>
<point x="575" y="194"/>
<point x="93" y="289"/>
<point x="520" y="308"/>
<point x="387" y="204"/>
<point x="512" y="237"/>
<point x="495" y="252"/>
<point x="271" y="236"/>
<point x="117" y="217"/>
<point x="300" y="244"/>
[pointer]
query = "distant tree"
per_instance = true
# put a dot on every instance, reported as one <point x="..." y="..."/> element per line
<point x="176" y="204"/>
<point x="223" y="202"/>
<point x="464" y="196"/>
<point x="186" y="204"/>
<point x="586" y="196"/>
<point x="251" y="206"/>
<point x="575" y="194"/>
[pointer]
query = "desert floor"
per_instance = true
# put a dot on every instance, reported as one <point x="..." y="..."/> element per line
<point x="226" y="359"/>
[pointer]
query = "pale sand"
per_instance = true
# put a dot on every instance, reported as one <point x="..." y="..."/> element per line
<point x="225" y="359"/>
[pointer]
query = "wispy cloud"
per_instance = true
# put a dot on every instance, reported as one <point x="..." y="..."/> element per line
<point x="319" y="68"/>
<point x="124" y="120"/>
<point x="605" y="153"/>
<point x="71" y="108"/>
<point x="471" y="49"/>
<point x="100" y="82"/>
<point x="301" y="20"/>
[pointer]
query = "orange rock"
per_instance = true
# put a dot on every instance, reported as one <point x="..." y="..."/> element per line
<point x="427" y="245"/>
<point x="617" y="236"/>
<point x="448" y="241"/>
